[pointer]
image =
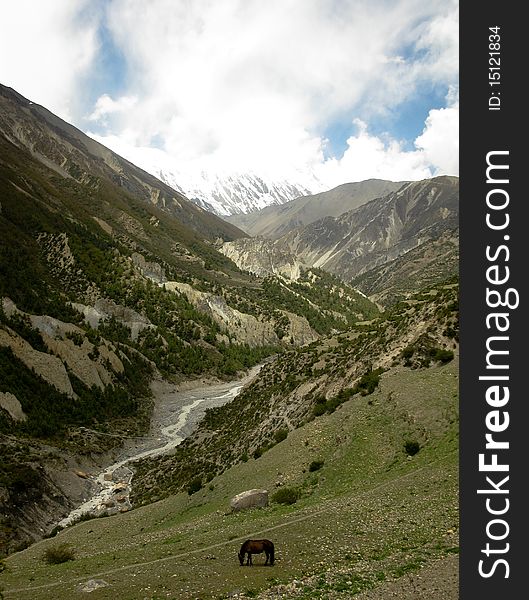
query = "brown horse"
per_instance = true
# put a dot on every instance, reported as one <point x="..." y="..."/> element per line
<point x="250" y="547"/>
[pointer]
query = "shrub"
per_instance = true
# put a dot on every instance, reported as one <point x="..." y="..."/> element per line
<point x="408" y="352"/>
<point x="443" y="356"/>
<point x="286" y="496"/>
<point x="332" y="404"/>
<point x="280" y="435"/>
<point x="194" y="485"/>
<point x="368" y="382"/>
<point x="315" y="465"/>
<point x="411" y="447"/>
<point x="319" y="409"/>
<point x="53" y="532"/>
<point x="56" y="555"/>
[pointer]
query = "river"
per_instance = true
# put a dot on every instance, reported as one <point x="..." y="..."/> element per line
<point x="177" y="411"/>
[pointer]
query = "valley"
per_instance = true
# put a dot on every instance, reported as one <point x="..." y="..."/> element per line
<point x="157" y="361"/>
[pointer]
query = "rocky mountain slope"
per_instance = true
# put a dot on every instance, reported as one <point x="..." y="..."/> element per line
<point x="274" y="221"/>
<point x="77" y="158"/>
<point x="421" y="267"/>
<point x="368" y="237"/>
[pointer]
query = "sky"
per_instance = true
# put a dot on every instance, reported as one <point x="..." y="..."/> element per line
<point x="339" y="90"/>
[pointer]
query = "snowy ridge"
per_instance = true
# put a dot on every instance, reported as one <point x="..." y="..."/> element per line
<point x="234" y="194"/>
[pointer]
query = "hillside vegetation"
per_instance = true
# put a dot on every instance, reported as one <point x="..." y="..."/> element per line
<point x="305" y="383"/>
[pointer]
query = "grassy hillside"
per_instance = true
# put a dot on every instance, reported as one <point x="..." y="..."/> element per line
<point x="376" y="510"/>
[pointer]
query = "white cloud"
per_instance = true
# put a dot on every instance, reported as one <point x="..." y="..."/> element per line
<point x="436" y="151"/>
<point x="369" y="156"/>
<point x="243" y="86"/>
<point x="440" y="40"/>
<point x="105" y="105"/>
<point x="45" y="49"/>
<point x="439" y="141"/>
<point x="252" y="85"/>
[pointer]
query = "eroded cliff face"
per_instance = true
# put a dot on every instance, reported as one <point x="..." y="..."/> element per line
<point x="272" y="222"/>
<point x="379" y="231"/>
<point x="263" y="258"/>
<point x="45" y="469"/>
<point x="50" y="483"/>
<point x="68" y="351"/>
<point x="241" y="327"/>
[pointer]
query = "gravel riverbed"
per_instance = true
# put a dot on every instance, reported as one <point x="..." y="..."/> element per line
<point x="178" y="409"/>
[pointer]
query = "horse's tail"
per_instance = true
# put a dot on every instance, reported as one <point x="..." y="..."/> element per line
<point x="271" y="553"/>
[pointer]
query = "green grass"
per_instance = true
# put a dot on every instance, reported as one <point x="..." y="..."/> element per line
<point x="372" y="514"/>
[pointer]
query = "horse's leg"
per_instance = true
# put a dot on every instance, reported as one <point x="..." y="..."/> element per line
<point x="267" y="557"/>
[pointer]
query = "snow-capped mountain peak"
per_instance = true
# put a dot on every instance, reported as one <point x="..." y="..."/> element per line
<point x="234" y="194"/>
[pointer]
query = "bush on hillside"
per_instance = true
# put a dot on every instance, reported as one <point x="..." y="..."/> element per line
<point x="280" y="435"/>
<point x="368" y="382"/>
<point x="319" y="409"/>
<point x="411" y="447"/>
<point x="286" y="496"/>
<point x="316" y="465"/>
<point x="56" y="555"/>
<point x="194" y="485"/>
<point x="443" y="356"/>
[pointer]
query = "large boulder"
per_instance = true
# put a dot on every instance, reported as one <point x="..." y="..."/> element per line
<point x="249" y="499"/>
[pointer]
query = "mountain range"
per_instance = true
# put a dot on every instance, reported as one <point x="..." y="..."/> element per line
<point x="107" y="275"/>
<point x="274" y="221"/>
<point x="374" y="234"/>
